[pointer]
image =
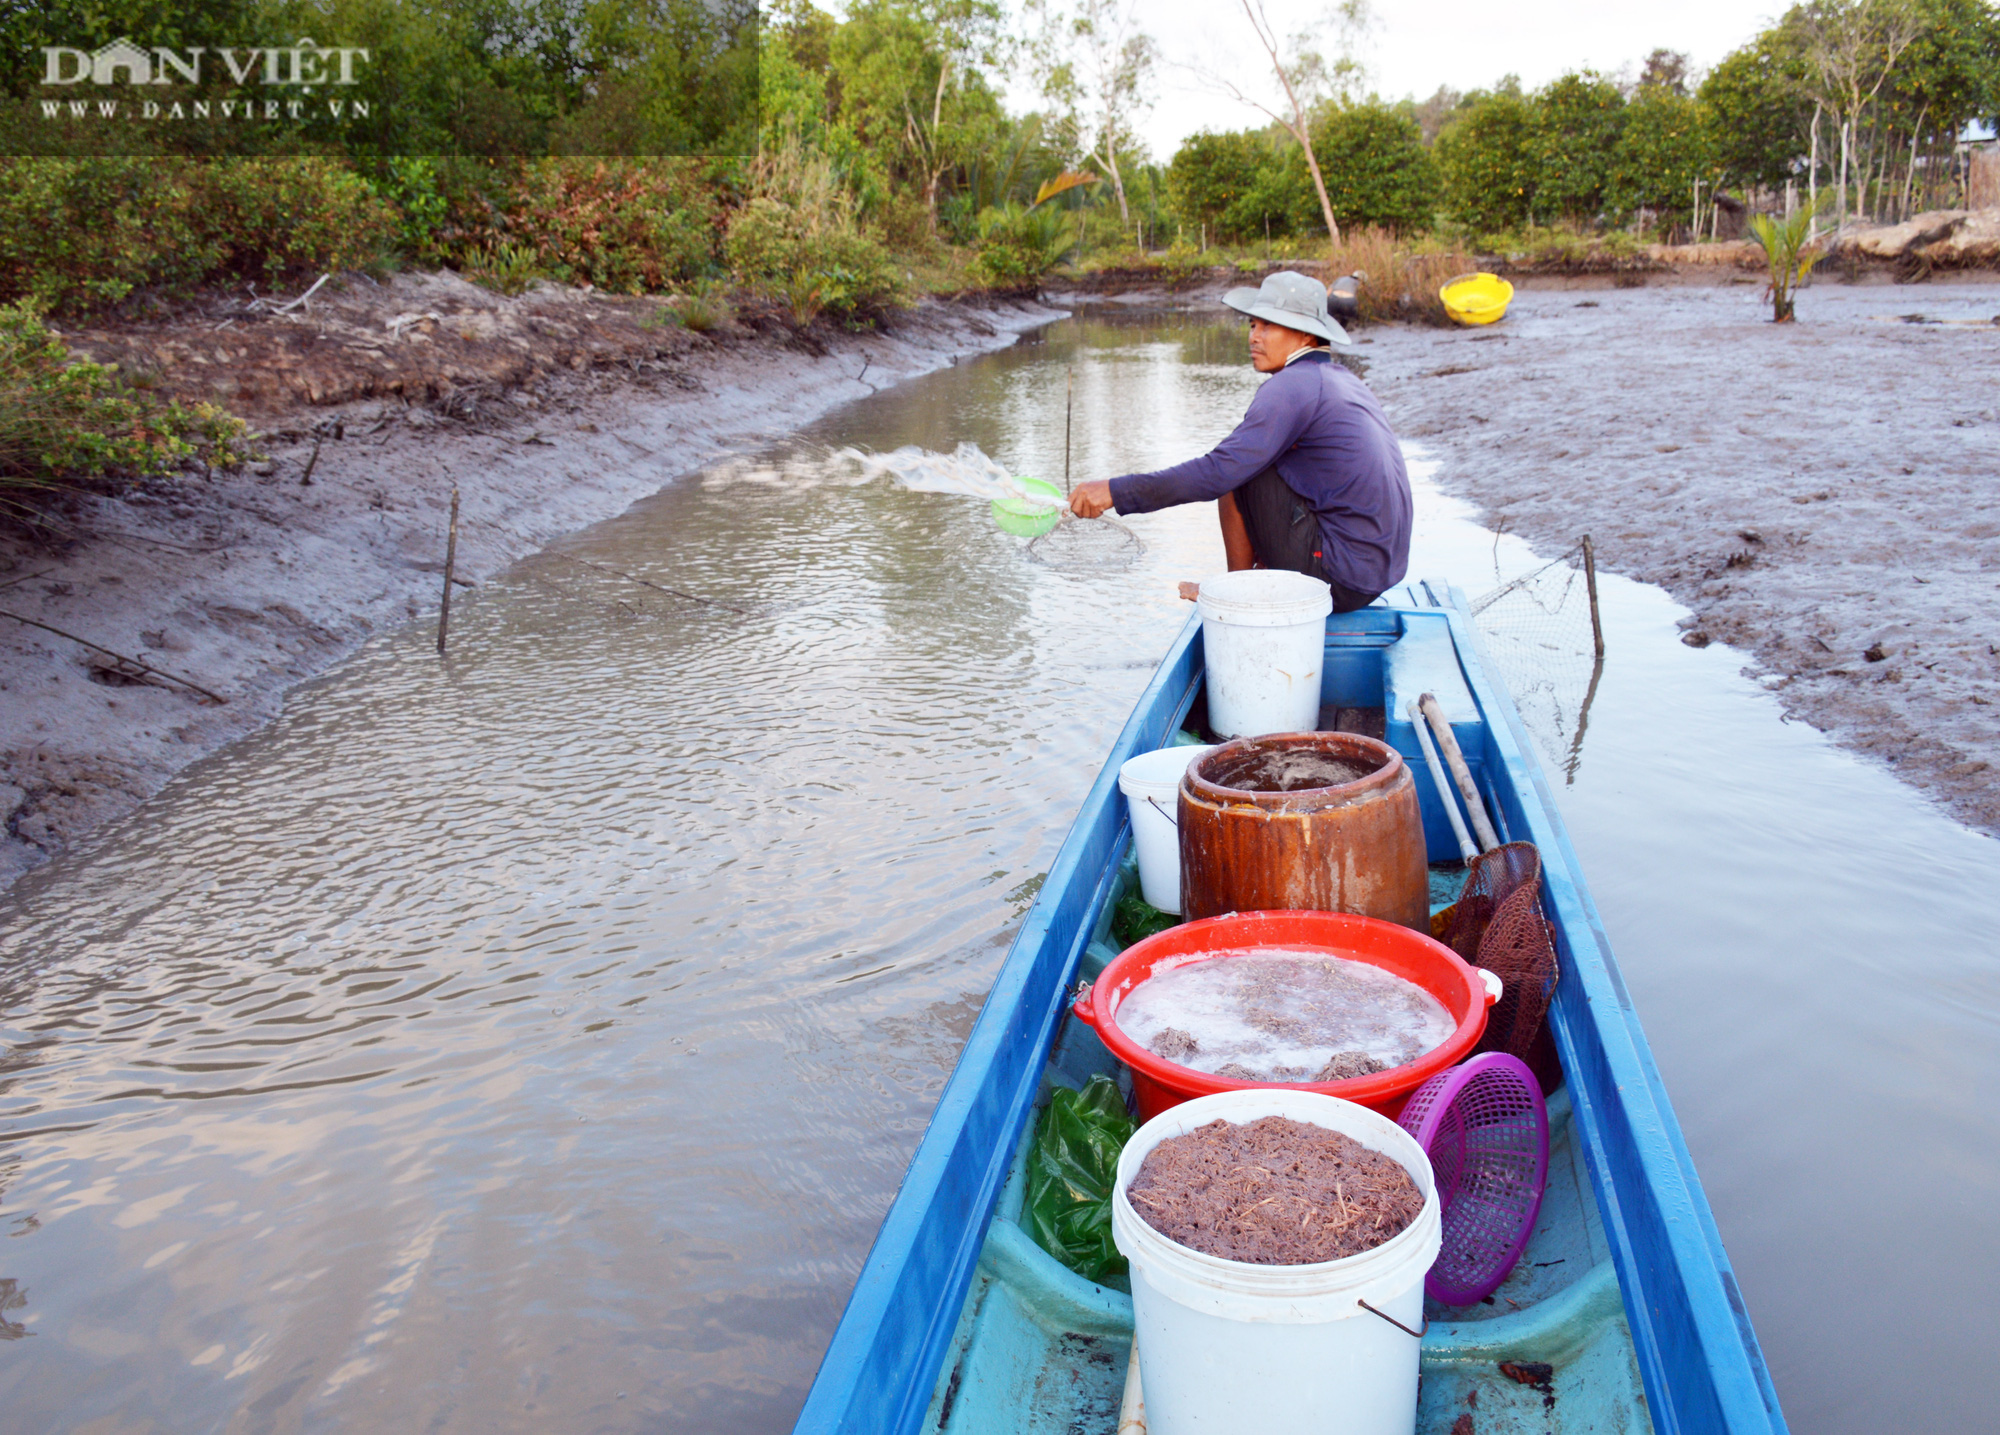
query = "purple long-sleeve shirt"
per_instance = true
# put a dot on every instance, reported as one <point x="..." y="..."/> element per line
<point x="1322" y="429"/>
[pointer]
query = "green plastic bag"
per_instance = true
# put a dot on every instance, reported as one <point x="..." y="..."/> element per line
<point x="1070" y="1174"/>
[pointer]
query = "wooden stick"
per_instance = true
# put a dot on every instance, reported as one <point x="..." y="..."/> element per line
<point x="658" y="587"/>
<point x="287" y="308"/>
<point x="1069" y="414"/>
<point x="113" y="653"/>
<point x="1466" y="848"/>
<point x="1455" y="760"/>
<point x="311" y="463"/>
<point x="1590" y="586"/>
<point x="1132" y="1407"/>
<point x="450" y="562"/>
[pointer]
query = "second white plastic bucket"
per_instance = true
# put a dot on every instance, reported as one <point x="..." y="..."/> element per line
<point x="1264" y="633"/>
<point x="1151" y="783"/>
<point x="1226" y="1346"/>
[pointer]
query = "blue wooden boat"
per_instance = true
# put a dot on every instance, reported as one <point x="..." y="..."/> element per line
<point x="960" y="1324"/>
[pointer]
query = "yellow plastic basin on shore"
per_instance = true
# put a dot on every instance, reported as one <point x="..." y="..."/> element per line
<point x="1476" y="298"/>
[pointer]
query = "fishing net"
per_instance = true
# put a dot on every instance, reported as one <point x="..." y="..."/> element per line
<point x="1542" y="643"/>
<point x="1087" y="545"/>
<point x="1497" y="924"/>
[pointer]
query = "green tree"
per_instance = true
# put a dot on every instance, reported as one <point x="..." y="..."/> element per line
<point x="1305" y="75"/>
<point x="1665" y="70"/>
<point x="913" y="86"/>
<point x="794" y="95"/>
<point x="1664" y="148"/>
<point x="1488" y="161"/>
<point x="1757" y="113"/>
<point x="1378" y="170"/>
<point x="1096" y="71"/>
<point x="1950" y="75"/>
<point x="1280" y="198"/>
<point x="1209" y="174"/>
<point x="1578" y="119"/>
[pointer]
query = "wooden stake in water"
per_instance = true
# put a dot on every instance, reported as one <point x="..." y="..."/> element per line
<point x="1069" y="415"/>
<point x="1590" y="586"/>
<point x="450" y="562"/>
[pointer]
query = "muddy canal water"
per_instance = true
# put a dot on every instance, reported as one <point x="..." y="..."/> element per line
<point x="533" y="1040"/>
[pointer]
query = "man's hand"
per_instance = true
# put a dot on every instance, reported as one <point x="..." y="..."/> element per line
<point x="1090" y="500"/>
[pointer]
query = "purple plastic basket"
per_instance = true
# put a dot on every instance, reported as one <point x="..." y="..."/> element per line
<point x="1486" y="1129"/>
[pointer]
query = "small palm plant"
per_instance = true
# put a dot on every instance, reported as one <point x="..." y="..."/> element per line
<point x="1790" y="252"/>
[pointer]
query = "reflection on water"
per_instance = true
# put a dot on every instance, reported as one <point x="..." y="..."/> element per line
<point x="534" y="1040"/>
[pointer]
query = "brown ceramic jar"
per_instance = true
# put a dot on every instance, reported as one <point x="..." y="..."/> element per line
<point x="1315" y="821"/>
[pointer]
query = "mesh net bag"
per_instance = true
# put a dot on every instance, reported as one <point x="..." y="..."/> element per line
<point x="1497" y="924"/>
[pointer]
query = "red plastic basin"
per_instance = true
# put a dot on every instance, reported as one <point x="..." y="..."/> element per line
<point x="1465" y="991"/>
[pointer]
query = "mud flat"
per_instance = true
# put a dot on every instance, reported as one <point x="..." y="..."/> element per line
<point x="549" y="412"/>
<point x="1824" y="496"/>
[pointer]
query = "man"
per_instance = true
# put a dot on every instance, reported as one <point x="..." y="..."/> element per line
<point x="1312" y="479"/>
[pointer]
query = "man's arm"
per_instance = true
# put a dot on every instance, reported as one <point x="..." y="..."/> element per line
<point x="1277" y="415"/>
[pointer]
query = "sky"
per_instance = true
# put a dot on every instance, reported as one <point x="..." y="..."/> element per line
<point x="1418" y="45"/>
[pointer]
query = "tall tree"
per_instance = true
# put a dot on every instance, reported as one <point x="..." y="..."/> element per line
<point x="1851" y="49"/>
<point x="1759" y="115"/>
<point x="1305" y="76"/>
<point x="1662" y="151"/>
<point x="1096" y="70"/>
<point x="1209" y="174"/>
<point x="1665" y="70"/>
<point x="912" y="81"/>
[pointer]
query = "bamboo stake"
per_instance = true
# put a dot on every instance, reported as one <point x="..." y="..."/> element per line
<point x="1590" y="586"/>
<point x="113" y="653"/>
<point x="1069" y="416"/>
<point x="1455" y="760"/>
<point x="450" y="562"/>
<point x="1466" y="847"/>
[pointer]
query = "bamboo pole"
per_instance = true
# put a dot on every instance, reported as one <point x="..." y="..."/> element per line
<point x="1069" y="417"/>
<point x="1461" y="773"/>
<point x="450" y="562"/>
<point x="1466" y="847"/>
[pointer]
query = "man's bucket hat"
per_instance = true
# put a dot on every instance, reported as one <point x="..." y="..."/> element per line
<point x="1296" y="301"/>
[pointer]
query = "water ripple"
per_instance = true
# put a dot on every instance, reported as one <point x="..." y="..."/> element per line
<point x="485" y="1038"/>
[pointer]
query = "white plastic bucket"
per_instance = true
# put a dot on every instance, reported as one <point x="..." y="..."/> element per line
<point x="1151" y="784"/>
<point x="1226" y="1346"/>
<point x="1264" y="633"/>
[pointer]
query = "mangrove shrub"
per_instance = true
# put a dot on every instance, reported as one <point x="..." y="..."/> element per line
<point x="62" y="419"/>
<point x="1577" y="123"/>
<point x="1377" y="168"/>
<point x="1488" y="162"/>
<point x="1664" y="148"/>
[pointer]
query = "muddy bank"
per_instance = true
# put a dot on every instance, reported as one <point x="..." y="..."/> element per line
<point x="1962" y="244"/>
<point x="549" y="412"/>
<point x="1821" y="495"/>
